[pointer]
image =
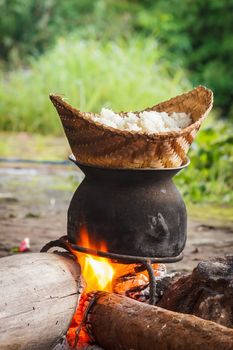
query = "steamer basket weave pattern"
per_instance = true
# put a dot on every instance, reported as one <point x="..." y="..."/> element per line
<point x="95" y="144"/>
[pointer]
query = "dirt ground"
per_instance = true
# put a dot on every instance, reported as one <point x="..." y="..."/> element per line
<point x="34" y="200"/>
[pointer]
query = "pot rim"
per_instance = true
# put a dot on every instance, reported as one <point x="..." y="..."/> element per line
<point x="75" y="161"/>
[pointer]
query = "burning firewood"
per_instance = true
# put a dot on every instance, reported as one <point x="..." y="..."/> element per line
<point x="133" y="280"/>
<point x="117" y="322"/>
<point x="41" y="291"/>
<point x="206" y="292"/>
<point x="112" y="320"/>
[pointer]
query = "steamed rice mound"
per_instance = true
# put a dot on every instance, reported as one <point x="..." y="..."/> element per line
<point x="149" y="122"/>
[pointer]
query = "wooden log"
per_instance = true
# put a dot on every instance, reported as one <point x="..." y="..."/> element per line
<point x="207" y="292"/>
<point x="39" y="293"/>
<point x="118" y="322"/>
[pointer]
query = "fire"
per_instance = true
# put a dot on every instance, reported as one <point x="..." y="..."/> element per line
<point x="98" y="272"/>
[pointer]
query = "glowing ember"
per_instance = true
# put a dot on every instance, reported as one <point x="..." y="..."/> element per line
<point x="77" y="319"/>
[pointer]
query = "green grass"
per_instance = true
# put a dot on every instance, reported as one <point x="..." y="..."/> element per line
<point x="23" y="145"/>
<point x="211" y="214"/>
<point x="124" y="75"/>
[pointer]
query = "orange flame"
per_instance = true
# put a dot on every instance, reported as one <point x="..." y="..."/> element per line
<point x="97" y="271"/>
<point x="98" y="274"/>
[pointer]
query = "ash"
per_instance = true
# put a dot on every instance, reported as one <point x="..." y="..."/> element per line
<point x="63" y="345"/>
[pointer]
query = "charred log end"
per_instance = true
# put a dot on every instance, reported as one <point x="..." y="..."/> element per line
<point x="206" y="293"/>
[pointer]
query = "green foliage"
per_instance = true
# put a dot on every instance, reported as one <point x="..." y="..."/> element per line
<point x="200" y="33"/>
<point x="209" y="176"/>
<point x="29" y="27"/>
<point x="124" y="76"/>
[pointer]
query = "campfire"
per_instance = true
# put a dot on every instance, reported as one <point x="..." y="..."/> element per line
<point x="116" y="293"/>
<point x="102" y="274"/>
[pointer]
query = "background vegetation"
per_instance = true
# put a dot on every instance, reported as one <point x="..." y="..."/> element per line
<point x="124" y="54"/>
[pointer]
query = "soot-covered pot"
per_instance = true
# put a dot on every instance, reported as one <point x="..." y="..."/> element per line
<point x="135" y="212"/>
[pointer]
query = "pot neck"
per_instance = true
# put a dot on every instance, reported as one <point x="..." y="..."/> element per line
<point x="128" y="175"/>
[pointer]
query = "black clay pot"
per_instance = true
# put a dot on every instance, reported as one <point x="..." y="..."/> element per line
<point x="136" y="212"/>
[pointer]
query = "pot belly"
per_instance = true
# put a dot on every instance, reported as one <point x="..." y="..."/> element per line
<point x="146" y="220"/>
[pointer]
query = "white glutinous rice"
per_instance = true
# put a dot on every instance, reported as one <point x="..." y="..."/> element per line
<point x="149" y="122"/>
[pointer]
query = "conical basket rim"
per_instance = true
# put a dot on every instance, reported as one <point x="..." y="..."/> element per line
<point x="57" y="99"/>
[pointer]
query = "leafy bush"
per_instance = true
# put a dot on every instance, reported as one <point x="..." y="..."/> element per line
<point x="209" y="176"/>
<point x="125" y="76"/>
<point x="200" y="33"/>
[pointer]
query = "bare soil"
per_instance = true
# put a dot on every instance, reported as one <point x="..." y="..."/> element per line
<point x="34" y="200"/>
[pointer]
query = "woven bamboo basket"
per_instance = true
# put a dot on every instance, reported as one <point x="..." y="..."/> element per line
<point x="95" y="144"/>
